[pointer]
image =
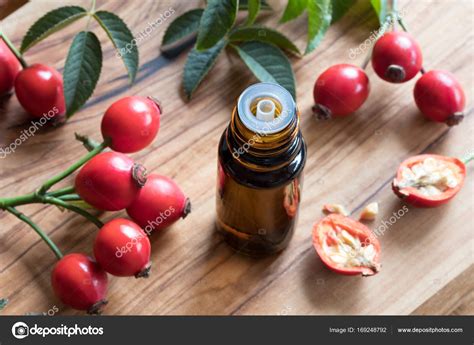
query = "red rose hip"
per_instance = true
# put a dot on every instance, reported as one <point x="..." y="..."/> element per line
<point x="131" y="123"/>
<point x="440" y="97"/>
<point x="340" y="90"/>
<point x="346" y="246"/>
<point x="9" y="68"/>
<point x="110" y="181"/>
<point x="159" y="203"/>
<point x="79" y="282"/>
<point x="429" y="180"/>
<point x="396" y="57"/>
<point x="123" y="249"/>
<point x="39" y="89"/>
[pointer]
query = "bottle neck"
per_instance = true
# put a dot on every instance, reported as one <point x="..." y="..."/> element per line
<point x="263" y="150"/>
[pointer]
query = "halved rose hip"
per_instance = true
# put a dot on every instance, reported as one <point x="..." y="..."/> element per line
<point x="429" y="180"/>
<point x="346" y="246"/>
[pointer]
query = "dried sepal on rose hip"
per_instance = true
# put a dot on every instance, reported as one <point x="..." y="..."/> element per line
<point x="370" y="211"/>
<point x="335" y="208"/>
<point x="429" y="180"/>
<point x="346" y="246"/>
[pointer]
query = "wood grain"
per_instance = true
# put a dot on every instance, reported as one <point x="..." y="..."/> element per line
<point x="350" y="161"/>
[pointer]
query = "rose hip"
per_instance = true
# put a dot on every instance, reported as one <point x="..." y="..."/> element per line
<point x="429" y="180"/>
<point x="39" y="89"/>
<point x="110" y="181"/>
<point x="131" y="123"/>
<point x="9" y="68"/>
<point x="340" y="90"/>
<point x="440" y="97"/>
<point x="159" y="203"/>
<point x="123" y="249"/>
<point x="346" y="246"/>
<point x="78" y="281"/>
<point x="396" y="57"/>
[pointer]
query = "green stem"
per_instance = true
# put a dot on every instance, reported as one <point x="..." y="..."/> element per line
<point x="36" y="228"/>
<point x="15" y="52"/>
<point x="52" y="181"/>
<point x="91" y="14"/>
<point x="88" y="143"/>
<point x="62" y="191"/>
<point x="18" y="200"/>
<point x="70" y="197"/>
<point x="82" y="212"/>
<point x="468" y="158"/>
<point x="402" y="23"/>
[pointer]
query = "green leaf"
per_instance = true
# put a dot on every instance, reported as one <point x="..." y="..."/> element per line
<point x="198" y="65"/>
<point x="263" y="34"/>
<point x="268" y="64"/>
<point x="244" y="5"/>
<point x="50" y="23"/>
<point x="319" y="19"/>
<point x="293" y="9"/>
<point x="82" y="70"/>
<point x="254" y="8"/>
<point x="216" y="21"/>
<point x="122" y="39"/>
<point x="182" y="27"/>
<point x="3" y="303"/>
<point x="380" y="7"/>
<point x="340" y="8"/>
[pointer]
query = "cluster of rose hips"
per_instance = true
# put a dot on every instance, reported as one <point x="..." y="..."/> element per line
<point x="39" y="88"/>
<point x="111" y="181"/>
<point x="396" y="58"/>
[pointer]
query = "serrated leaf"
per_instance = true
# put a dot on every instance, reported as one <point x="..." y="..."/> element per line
<point x="268" y="64"/>
<point x="50" y="23"/>
<point x="293" y="9"/>
<point x="380" y="7"/>
<point x="253" y="9"/>
<point x="319" y="19"/>
<point x="340" y="8"/>
<point x="198" y="65"/>
<point x="216" y="21"/>
<point x="122" y="39"/>
<point x="263" y="34"/>
<point x="184" y="26"/>
<point x="82" y="70"/>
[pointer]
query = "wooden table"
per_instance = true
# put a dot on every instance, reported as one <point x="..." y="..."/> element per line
<point x="427" y="254"/>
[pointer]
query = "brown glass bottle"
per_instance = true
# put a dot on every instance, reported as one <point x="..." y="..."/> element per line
<point x="260" y="165"/>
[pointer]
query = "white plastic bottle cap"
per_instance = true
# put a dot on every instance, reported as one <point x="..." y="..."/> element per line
<point x="265" y="110"/>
